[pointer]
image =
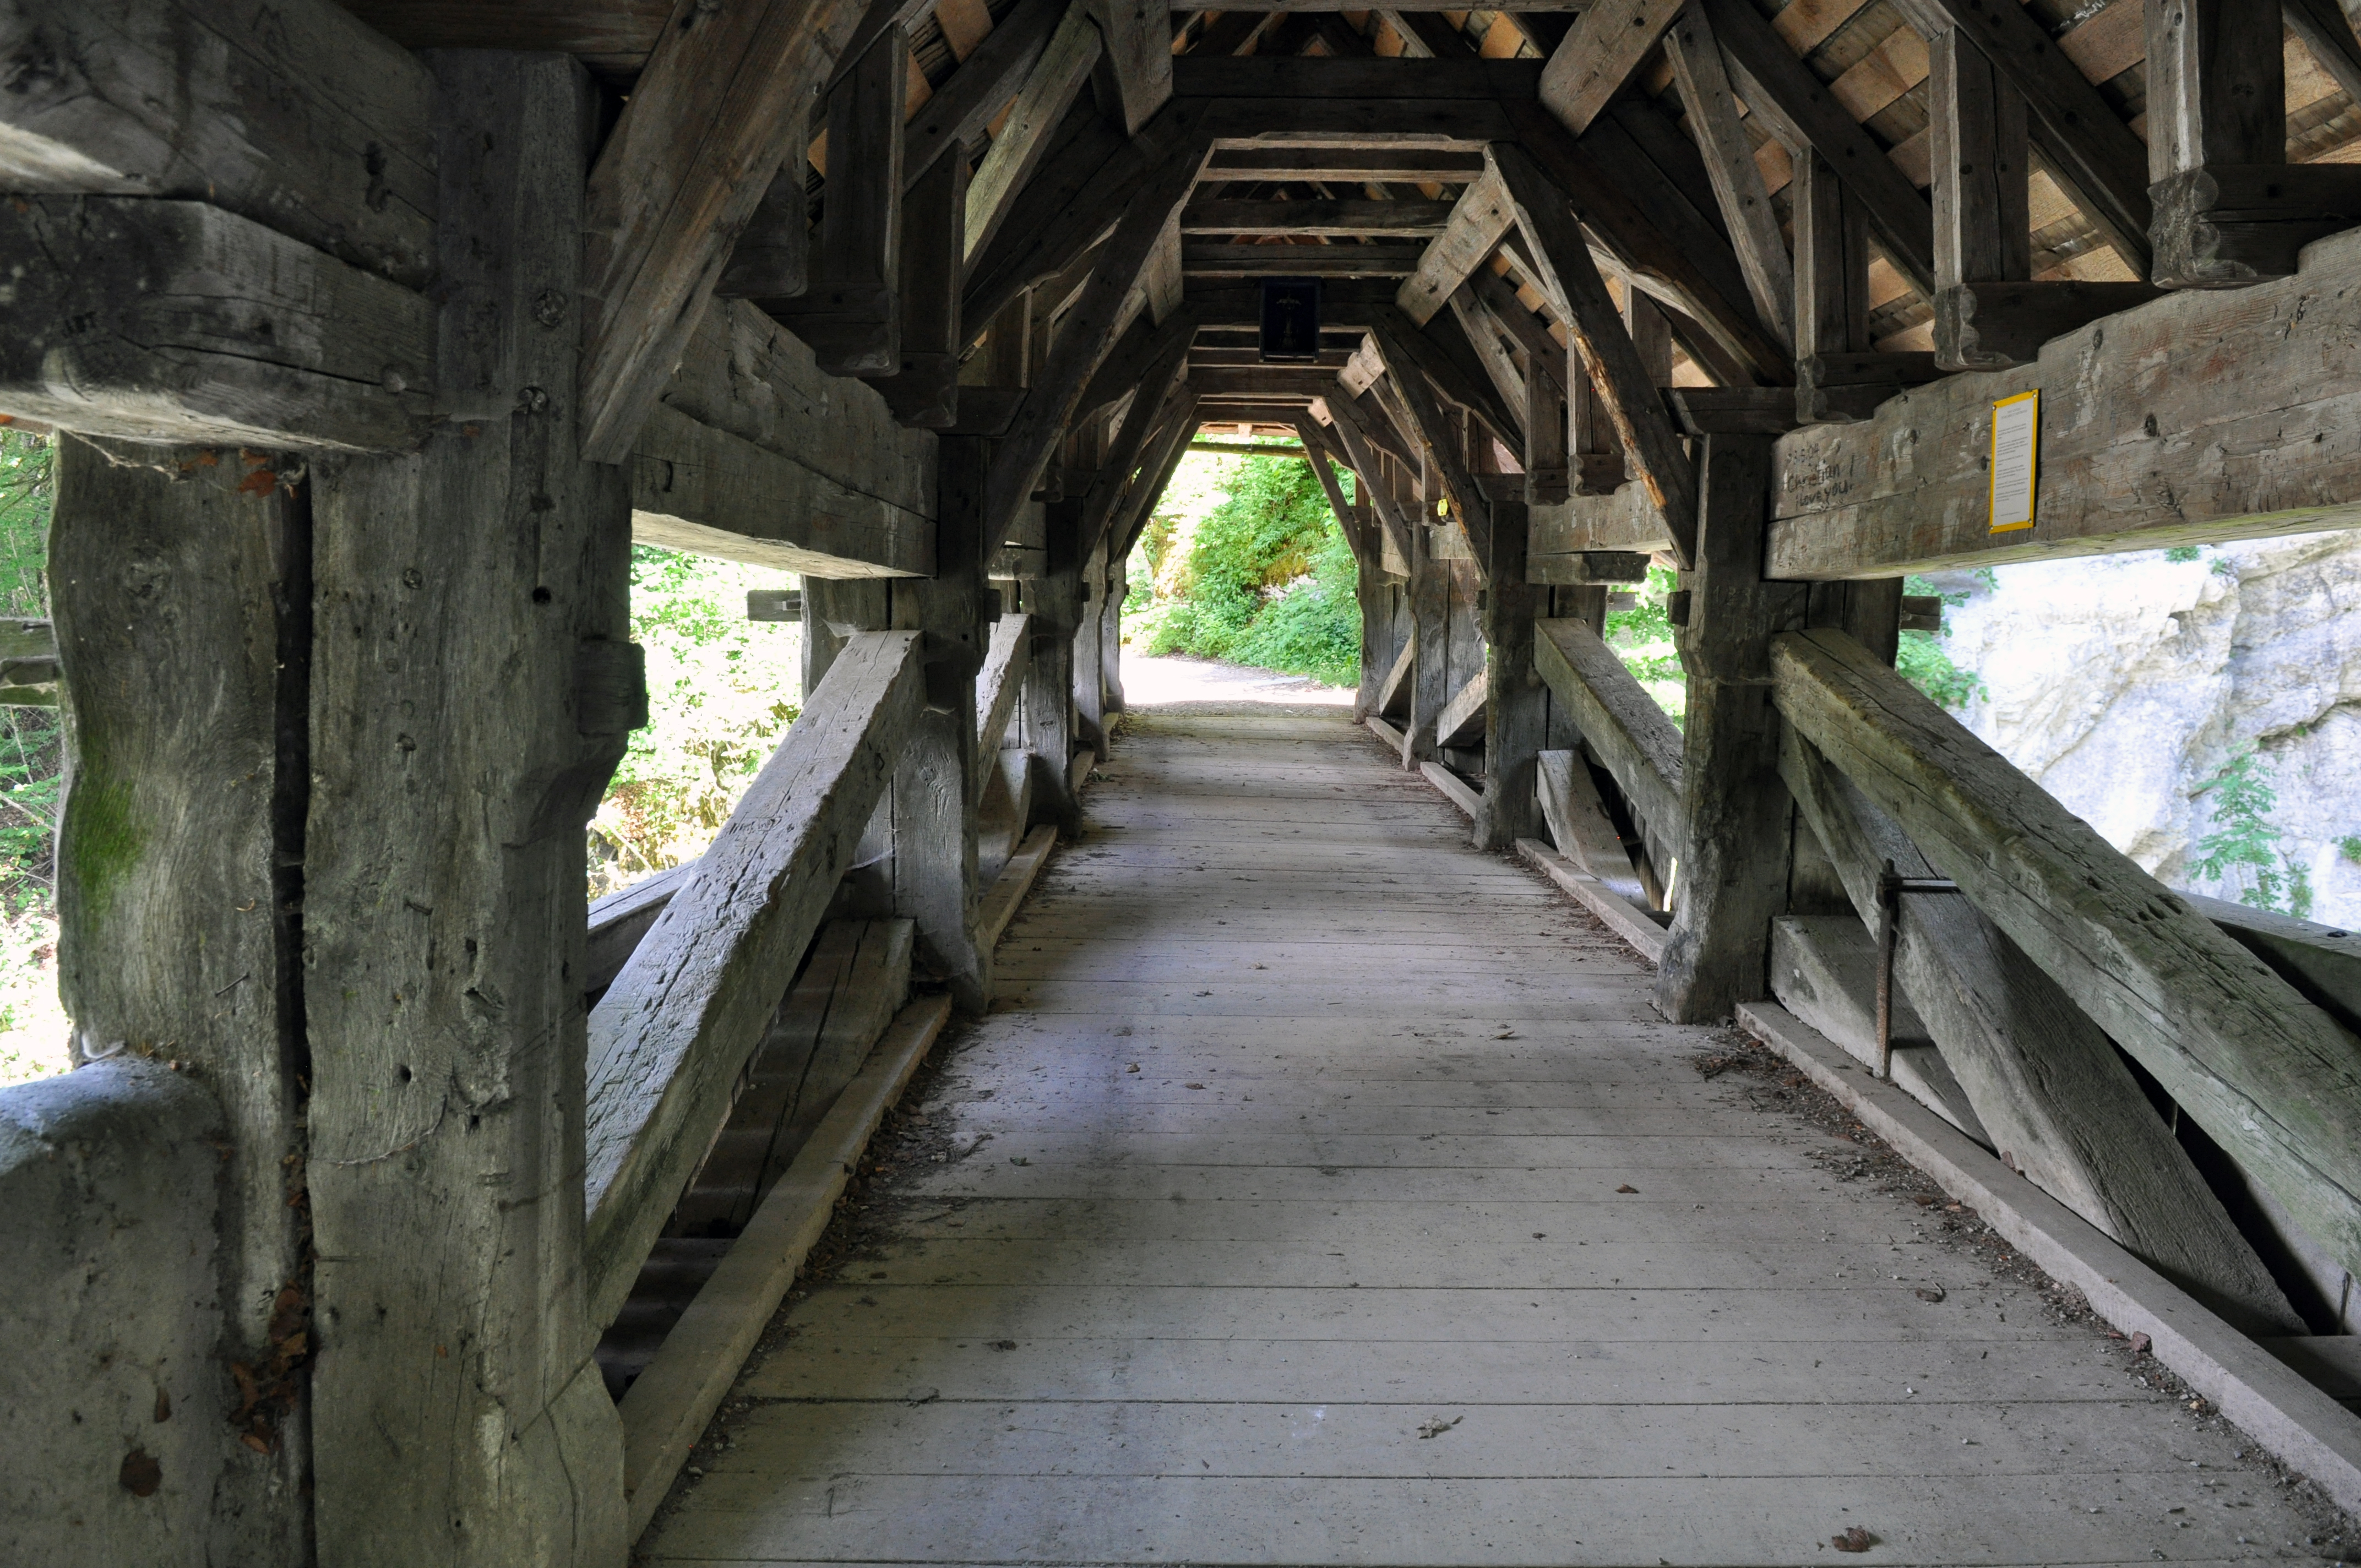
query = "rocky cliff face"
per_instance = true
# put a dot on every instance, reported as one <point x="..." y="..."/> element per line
<point x="2124" y="684"/>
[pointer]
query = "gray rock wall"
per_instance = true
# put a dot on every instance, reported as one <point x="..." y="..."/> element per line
<point x="2123" y="683"/>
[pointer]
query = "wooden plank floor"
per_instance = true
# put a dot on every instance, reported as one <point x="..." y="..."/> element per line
<point x="1365" y="1180"/>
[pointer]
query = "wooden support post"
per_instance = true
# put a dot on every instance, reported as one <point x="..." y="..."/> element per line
<point x="1839" y="375"/>
<point x="472" y="644"/>
<point x="936" y="790"/>
<point x="772" y="260"/>
<point x="1054" y="601"/>
<point x="851" y="314"/>
<point x="1041" y="108"/>
<point x="1547" y="420"/>
<point x="2060" y="1106"/>
<point x="1090" y="685"/>
<point x="1430" y="611"/>
<point x="1626" y="388"/>
<point x="1443" y="445"/>
<point x="1738" y="185"/>
<point x="1516" y="708"/>
<point x="180" y="586"/>
<point x="1111" y="634"/>
<point x="925" y="392"/>
<point x="1733" y="878"/>
<point x="1989" y="314"/>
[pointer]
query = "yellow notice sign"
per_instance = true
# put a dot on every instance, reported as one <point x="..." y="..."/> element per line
<point x="2016" y="450"/>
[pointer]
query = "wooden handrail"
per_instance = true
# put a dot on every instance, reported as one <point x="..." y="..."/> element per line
<point x="1634" y="739"/>
<point x="2269" y="1076"/>
<point x="674" y="1030"/>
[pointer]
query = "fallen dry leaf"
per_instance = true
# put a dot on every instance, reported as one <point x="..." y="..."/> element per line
<point x="141" y="1473"/>
<point x="1436" y="1426"/>
<point x="1627" y="1187"/>
<point x="2140" y="1343"/>
<point x="1936" y="1294"/>
<point x="1192" y="1086"/>
<point x="1853" y="1539"/>
<point x="1133" y="1068"/>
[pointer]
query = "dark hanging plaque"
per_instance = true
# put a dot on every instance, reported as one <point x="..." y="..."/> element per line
<point x="1291" y="321"/>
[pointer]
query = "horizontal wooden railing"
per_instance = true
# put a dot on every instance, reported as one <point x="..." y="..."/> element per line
<point x="2268" y="1075"/>
<point x="674" y="1031"/>
<point x="1635" y="740"/>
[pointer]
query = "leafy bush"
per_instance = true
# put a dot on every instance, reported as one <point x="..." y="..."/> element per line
<point x="722" y="692"/>
<point x="1923" y="663"/>
<point x="32" y="783"/>
<point x="2245" y="843"/>
<point x="1642" y="637"/>
<point x="1265" y="578"/>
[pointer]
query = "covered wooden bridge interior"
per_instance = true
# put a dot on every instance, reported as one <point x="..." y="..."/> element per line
<point x="404" y="1210"/>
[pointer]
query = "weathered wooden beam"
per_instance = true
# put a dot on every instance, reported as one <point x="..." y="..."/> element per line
<point x="1579" y="826"/>
<point x="1782" y="88"/>
<point x="986" y="82"/>
<point x="772" y="256"/>
<point x="1734" y="878"/>
<point x="1442" y="352"/>
<point x="1597" y="58"/>
<point x="2056" y="1103"/>
<point x="711" y="118"/>
<point x="999" y="685"/>
<point x="851" y="312"/>
<point x="172" y="321"/>
<point x="925" y="391"/>
<point x="1461" y="719"/>
<point x="1316" y="455"/>
<point x="312" y="126"/>
<point x="1152" y="404"/>
<point x="1426" y="36"/>
<point x="1165" y="452"/>
<point x="1351" y="425"/>
<point x="1481" y="215"/>
<point x="1436" y="433"/>
<point x="1634" y="740"/>
<point x="1385" y="258"/>
<point x="670" y="1037"/>
<point x="2326" y="29"/>
<point x="1738" y="184"/>
<point x="1045" y="109"/>
<point x="1138" y="54"/>
<point x="2093" y="154"/>
<point x="1624" y="519"/>
<point x="1324" y="218"/>
<point x="706" y="491"/>
<point x="1516" y="706"/>
<point x="1176" y="143"/>
<point x="444" y="949"/>
<point x="2268" y="1075"/>
<point x="1625" y="389"/>
<point x="1344" y="166"/>
<point x="2256" y="437"/>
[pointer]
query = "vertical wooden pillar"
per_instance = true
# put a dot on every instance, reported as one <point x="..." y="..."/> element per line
<point x="1547" y="423"/>
<point x="1430" y="596"/>
<point x="935" y="795"/>
<point x="181" y="586"/>
<point x="1118" y="590"/>
<point x="1516" y="707"/>
<point x="1054" y="600"/>
<point x="925" y="391"/>
<point x="2216" y="118"/>
<point x="472" y="689"/>
<point x="851" y="314"/>
<point x="1090" y="669"/>
<point x="1980" y="159"/>
<point x="1734" y="877"/>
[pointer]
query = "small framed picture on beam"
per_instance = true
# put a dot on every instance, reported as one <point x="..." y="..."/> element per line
<point x="1291" y="321"/>
<point x="2016" y="456"/>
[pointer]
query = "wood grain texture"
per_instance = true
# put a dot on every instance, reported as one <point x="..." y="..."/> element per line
<point x="672" y="1033"/>
<point x="987" y="82"/>
<point x="312" y="126"/>
<point x="1626" y="389"/>
<point x="1595" y="61"/>
<point x="1138" y="53"/>
<point x="182" y="596"/>
<point x="701" y="489"/>
<point x="2251" y="438"/>
<point x="1479" y="219"/>
<point x="709" y="122"/>
<point x="1516" y="710"/>
<point x="670" y="1402"/>
<point x="1620" y="722"/>
<point x="171" y="320"/>
<point x="1042" y="110"/>
<point x="1778" y="85"/>
<point x="456" y="592"/>
<point x="2051" y="1094"/>
<point x="2267" y="1074"/>
<point x="1738" y="186"/>
<point x="1362" y="1183"/>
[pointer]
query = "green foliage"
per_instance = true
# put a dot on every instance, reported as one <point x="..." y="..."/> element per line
<point x="1265" y="578"/>
<point x="1921" y="660"/>
<point x="32" y="782"/>
<point x="2350" y="848"/>
<point x="2245" y="843"/>
<point x="1642" y="637"/>
<point x="722" y="692"/>
<point x="2180" y="554"/>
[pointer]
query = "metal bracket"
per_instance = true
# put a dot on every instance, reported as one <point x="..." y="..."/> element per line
<point x="1891" y="886"/>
